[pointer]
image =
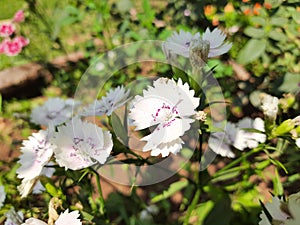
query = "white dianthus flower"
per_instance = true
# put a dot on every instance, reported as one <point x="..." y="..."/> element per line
<point x="180" y="43"/>
<point x="114" y="99"/>
<point x="246" y="139"/>
<point x="220" y="142"/>
<point x="36" y="153"/>
<point x="54" y="111"/>
<point x="168" y="106"/>
<point x="65" y="218"/>
<point x="81" y="144"/>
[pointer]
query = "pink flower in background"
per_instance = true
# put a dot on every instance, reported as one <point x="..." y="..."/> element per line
<point x="19" y="16"/>
<point x="2" y="46"/>
<point x="7" y="29"/>
<point x="12" y="47"/>
<point x="21" y="40"/>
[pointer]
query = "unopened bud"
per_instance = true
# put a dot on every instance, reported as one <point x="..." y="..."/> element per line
<point x="285" y="127"/>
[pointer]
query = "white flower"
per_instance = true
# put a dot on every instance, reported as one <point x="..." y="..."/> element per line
<point x="168" y="106"/>
<point x="46" y="171"/>
<point x="298" y="142"/>
<point x="275" y="212"/>
<point x="81" y="144"/>
<point x="13" y="217"/>
<point x="270" y="106"/>
<point x="179" y="43"/>
<point x="114" y="99"/>
<point x="67" y="218"/>
<point x="245" y="139"/>
<point x="2" y="196"/>
<point x="54" y="111"/>
<point x="216" y="42"/>
<point x="36" y="153"/>
<point x="34" y="221"/>
<point x="234" y="135"/>
<point x="220" y="142"/>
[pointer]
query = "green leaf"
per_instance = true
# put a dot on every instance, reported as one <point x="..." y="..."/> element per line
<point x="274" y="3"/>
<point x="277" y="35"/>
<point x="87" y="216"/>
<point x="221" y="213"/>
<point x="119" y="128"/>
<point x="252" y="50"/>
<point x="296" y="16"/>
<point x="51" y="189"/>
<point x="278" y="188"/>
<point x="254" y="32"/>
<point x="258" y="20"/>
<point x="279" y="21"/>
<point x="290" y="83"/>
<point x="175" y="187"/>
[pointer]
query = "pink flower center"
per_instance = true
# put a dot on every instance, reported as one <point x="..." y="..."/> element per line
<point x="166" y="114"/>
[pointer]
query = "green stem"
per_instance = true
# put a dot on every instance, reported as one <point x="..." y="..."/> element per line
<point x="233" y="163"/>
<point x="102" y="204"/>
<point x="192" y="206"/>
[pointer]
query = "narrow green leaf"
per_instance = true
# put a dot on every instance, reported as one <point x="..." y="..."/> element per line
<point x="119" y="128"/>
<point x="278" y="188"/>
<point x="252" y="50"/>
<point x="175" y="187"/>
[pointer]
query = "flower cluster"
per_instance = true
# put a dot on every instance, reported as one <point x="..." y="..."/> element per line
<point x="12" y="44"/>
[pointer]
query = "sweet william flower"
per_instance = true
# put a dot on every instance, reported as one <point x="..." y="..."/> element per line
<point x="180" y="43"/>
<point x="246" y="139"/>
<point x="114" y="99"/>
<point x="36" y="153"/>
<point x="216" y="39"/>
<point x="7" y="29"/>
<point x="19" y="16"/>
<point x="66" y="218"/>
<point x="54" y="111"/>
<point x="220" y="142"/>
<point x="81" y="144"/>
<point x="169" y="107"/>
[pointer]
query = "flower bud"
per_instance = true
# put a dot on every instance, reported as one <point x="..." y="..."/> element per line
<point x="285" y="127"/>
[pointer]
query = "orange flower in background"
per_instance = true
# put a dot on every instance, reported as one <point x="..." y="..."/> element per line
<point x="215" y="20"/>
<point x="229" y="8"/>
<point x="209" y="10"/>
<point x="246" y="0"/>
<point x="247" y="12"/>
<point x="267" y="5"/>
<point x="256" y="8"/>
